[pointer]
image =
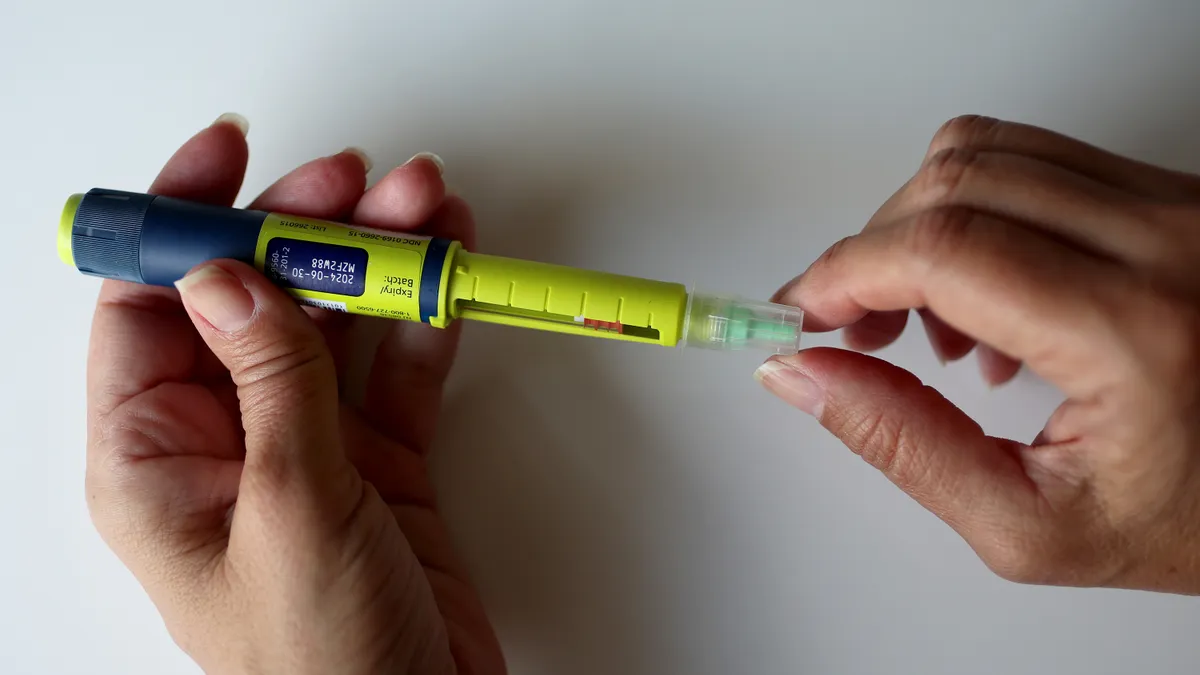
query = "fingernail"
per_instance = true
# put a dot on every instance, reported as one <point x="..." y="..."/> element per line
<point x="441" y="166"/>
<point x="217" y="296"/>
<point x="236" y="120"/>
<point x="793" y="386"/>
<point x="363" y="156"/>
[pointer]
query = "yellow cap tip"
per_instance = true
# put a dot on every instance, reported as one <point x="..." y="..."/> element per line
<point x="66" y="223"/>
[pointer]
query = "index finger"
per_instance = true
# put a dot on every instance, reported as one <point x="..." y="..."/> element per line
<point x="140" y="334"/>
<point x="1007" y="286"/>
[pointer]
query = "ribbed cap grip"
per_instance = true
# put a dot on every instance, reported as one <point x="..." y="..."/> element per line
<point x="106" y="237"/>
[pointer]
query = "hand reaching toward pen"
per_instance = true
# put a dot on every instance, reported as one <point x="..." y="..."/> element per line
<point x="1028" y="247"/>
<point x="276" y="529"/>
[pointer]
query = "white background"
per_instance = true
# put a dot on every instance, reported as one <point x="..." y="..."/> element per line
<point x="624" y="509"/>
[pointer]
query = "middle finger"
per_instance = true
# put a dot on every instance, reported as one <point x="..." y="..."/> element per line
<point x="327" y="188"/>
<point x="1089" y="215"/>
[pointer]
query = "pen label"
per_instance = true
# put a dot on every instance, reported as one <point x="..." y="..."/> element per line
<point x="351" y="268"/>
<point x="316" y="266"/>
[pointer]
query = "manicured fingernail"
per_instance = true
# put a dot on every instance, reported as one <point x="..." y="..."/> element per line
<point x="441" y="166"/>
<point x="236" y="120"/>
<point x="361" y="155"/>
<point x="217" y="296"/>
<point x="793" y="386"/>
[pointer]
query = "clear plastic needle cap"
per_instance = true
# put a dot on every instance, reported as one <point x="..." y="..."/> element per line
<point x="729" y="323"/>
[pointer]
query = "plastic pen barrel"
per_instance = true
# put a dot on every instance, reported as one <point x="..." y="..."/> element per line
<point x="156" y="240"/>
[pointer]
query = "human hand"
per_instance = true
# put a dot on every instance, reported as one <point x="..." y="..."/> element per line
<point x="276" y="529"/>
<point x="1031" y="248"/>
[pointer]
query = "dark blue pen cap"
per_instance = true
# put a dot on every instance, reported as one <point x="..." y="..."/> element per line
<point x="151" y="239"/>
<point x="105" y="230"/>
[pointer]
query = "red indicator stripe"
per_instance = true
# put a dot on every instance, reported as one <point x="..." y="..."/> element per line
<point x="611" y="326"/>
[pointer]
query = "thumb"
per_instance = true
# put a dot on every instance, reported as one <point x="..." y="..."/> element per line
<point x="285" y="377"/>
<point x="918" y="439"/>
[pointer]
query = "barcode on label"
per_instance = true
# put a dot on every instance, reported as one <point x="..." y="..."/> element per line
<point x="324" y="304"/>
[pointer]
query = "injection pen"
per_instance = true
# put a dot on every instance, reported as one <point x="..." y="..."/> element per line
<point x="156" y="240"/>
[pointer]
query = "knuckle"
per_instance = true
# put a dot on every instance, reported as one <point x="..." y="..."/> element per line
<point x="287" y="389"/>
<point x="125" y="507"/>
<point x="834" y="257"/>
<point x="835" y="252"/>
<point x="1074" y="546"/>
<point x="1174" y="341"/>
<point x="881" y="440"/>
<point x="944" y="172"/>
<point x="262" y="362"/>
<point x="1024" y="557"/>
<point x="1166" y="240"/>
<point x="277" y="376"/>
<point x="940" y="232"/>
<point x="964" y="131"/>
<point x="885" y="442"/>
<point x="1017" y="561"/>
